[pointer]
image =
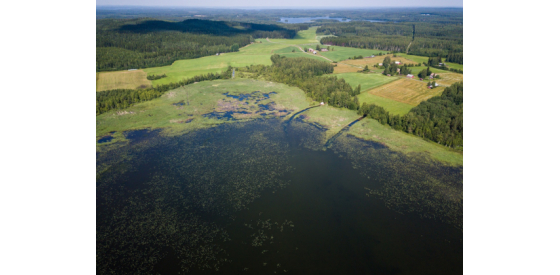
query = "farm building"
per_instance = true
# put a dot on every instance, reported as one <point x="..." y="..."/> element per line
<point x="311" y="50"/>
<point x="436" y="84"/>
<point x="410" y="76"/>
<point x="314" y="52"/>
<point x="397" y="62"/>
<point x="324" y="50"/>
<point x="380" y="64"/>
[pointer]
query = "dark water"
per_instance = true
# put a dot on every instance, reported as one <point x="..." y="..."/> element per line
<point x="263" y="197"/>
<point x="105" y="139"/>
<point x="297" y="20"/>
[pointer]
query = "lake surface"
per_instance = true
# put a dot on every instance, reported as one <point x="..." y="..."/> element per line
<point x="267" y="197"/>
<point x="296" y="20"/>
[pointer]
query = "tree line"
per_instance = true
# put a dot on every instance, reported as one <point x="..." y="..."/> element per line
<point x="439" y="118"/>
<point x="142" y="43"/>
<point x="124" y="98"/>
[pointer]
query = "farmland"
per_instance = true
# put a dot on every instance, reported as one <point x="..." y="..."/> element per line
<point x="343" y="53"/>
<point x="376" y="60"/>
<point x="392" y="106"/>
<point x="121" y="80"/>
<point x="406" y="91"/>
<point x="367" y="81"/>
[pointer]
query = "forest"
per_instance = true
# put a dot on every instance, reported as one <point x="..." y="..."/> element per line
<point x="306" y="74"/>
<point x="143" y="43"/>
<point x="439" y="118"/>
<point x="123" y="98"/>
<point x="422" y="39"/>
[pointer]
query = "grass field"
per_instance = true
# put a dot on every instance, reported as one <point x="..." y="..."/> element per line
<point x="449" y="78"/>
<point x="301" y="54"/>
<point x="287" y="50"/>
<point x="392" y="106"/>
<point x="399" y="141"/>
<point x="343" y="68"/>
<point x="420" y="59"/>
<point x="376" y="60"/>
<point x="343" y="53"/>
<point x="407" y="91"/>
<point x="121" y="80"/>
<point x="203" y="98"/>
<point x="369" y="129"/>
<point x="368" y="81"/>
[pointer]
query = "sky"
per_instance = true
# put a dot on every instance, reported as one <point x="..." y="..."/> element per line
<point x="284" y="3"/>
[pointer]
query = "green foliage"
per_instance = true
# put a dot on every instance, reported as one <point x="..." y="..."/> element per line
<point x="124" y="98"/>
<point x="305" y="73"/>
<point x="155" y="77"/>
<point x="439" y="119"/>
<point x="142" y="43"/>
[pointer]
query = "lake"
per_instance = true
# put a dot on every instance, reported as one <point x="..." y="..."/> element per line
<point x="296" y="20"/>
<point x="267" y="196"/>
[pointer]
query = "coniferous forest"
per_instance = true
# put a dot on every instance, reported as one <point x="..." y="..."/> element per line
<point x="143" y="43"/>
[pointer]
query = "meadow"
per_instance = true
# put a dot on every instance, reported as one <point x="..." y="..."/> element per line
<point x="376" y="60"/>
<point x="366" y="80"/>
<point x="420" y="59"/>
<point x="121" y="80"/>
<point x="406" y="91"/>
<point x="392" y="106"/>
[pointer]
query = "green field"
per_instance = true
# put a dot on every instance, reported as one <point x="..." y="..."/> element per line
<point x="392" y="106"/>
<point x="368" y="81"/>
<point x="287" y="50"/>
<point x="420" y="59"/>
<point x="343" y="53"/>
<point x="203" y="98"/>
<point x="301" y="54"/>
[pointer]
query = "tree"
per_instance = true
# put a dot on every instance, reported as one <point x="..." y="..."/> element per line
<point x="318" y="48"/>
<point x="328" y="48"/>
<point x="386" y="62"/>
<point x="366" y="69"/>
<point x="358" y="89"/>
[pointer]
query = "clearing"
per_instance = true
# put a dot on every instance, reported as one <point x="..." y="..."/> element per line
<point x="407" y="91"/>
<point x="121" y="80"/>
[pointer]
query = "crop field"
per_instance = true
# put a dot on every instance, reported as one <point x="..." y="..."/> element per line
<point x="343" y="68"/>
<point x="343" y="53"/>
<point x="416" y="70"/>
<point x="121" y="80"/>
<point x="368" y="81"/>
<point x="376" y="60"/>
<point x="449" y="78"/>
<point x="392" y="106"/>
<point x="407" y="91"/>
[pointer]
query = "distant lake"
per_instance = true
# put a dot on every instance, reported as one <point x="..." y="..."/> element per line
<point x="296" y="20"/>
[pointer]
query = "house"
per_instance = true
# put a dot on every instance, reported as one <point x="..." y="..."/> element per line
<point x="397" y="62"/>
<point x="311" y="50"/>
<point x="436" y="84"/>
<point x="410" y="76"/>
<point x="388" y="75"/>
<point x="432" y="74"/>
<point x="398" y="70"/>
<point x="217" y="53"/>
<point x="372" y="55"/>
<point x="324" y="50"/>
<point x="314" y="52"/>
<point x="380" y="64"/>
<point x="429" y="87"/>
<point x="322" y="103"/>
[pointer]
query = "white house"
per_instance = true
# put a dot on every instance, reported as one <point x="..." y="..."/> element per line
<point x="380" y="64"/>
<point x="436" y="84"/>
<point x="397" y="62"/>
<point x="409" y="76"/>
